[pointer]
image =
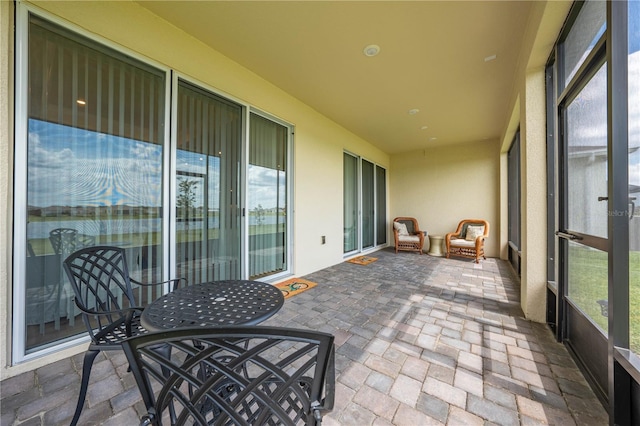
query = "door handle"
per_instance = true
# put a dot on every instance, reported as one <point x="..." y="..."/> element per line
<point x="603" y="198"/>
<point x="568" y="235"/>
<point x="632" y="204"/>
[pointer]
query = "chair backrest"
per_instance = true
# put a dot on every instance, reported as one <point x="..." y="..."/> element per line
<point x="234" y="375"/>
<point x="100" y="280"/>
<point x="410" y="222"/>
<point x="464" y="224"/>
<point x="63" y="240"/>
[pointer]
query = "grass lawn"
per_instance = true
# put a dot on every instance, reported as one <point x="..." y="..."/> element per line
<point x="588" y="277"/>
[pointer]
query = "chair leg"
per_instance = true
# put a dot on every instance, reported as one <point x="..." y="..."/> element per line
<point x="89" y="357"/>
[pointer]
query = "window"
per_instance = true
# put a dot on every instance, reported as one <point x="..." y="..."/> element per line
<point x="586" y="31"/>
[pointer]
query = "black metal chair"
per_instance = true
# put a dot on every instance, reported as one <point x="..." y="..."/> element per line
<point x="103" y="292"/>
<point x="234" y="375"/>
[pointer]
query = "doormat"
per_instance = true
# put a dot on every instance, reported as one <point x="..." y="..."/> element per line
<point x="362" y="260"/>
<point x="294" y="286"/>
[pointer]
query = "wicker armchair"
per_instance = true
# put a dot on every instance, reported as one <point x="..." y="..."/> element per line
<point x="407" y="234"/>
<point x="468" y="239"/>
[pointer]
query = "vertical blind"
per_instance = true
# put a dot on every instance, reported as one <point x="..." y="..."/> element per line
<point x="207" y="184"/>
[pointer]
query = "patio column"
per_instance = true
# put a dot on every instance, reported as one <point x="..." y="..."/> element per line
<point x="534" y="200"/>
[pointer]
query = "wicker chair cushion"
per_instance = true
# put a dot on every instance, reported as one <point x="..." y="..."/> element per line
<point x="408" y="238"/>
<point x="459" y="242"/>
<point x="401" y="227"/>
<point x="473" y="232"/>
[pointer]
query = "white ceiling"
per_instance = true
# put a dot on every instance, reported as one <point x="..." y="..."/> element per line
<point x="432" y="59"/>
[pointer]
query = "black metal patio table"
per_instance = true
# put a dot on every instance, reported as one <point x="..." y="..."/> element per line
<point x="213" y="304"/>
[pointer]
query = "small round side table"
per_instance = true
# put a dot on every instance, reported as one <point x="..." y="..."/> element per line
<point x="435" y="245"/>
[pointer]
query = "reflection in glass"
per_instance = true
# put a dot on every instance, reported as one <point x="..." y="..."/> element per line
<point x="94" y="169"/>
<point x="207" y="215"/>
<point x="350" y="203"/>
<point x="267" y="197"/>
<point x="587" y="282"/>
<point x="587" y="158"/>
<point x="590" y="25"/>
<point x="634" y="174"/>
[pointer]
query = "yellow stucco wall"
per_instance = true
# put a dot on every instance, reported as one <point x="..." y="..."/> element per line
<point x="443" y="185"/>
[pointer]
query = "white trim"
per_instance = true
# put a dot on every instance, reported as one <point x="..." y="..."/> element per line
<point x="170" y="181"/>
<point x="20" y="181"/>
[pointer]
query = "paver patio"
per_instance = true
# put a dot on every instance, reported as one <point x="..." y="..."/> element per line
<point x="420" y="340"/>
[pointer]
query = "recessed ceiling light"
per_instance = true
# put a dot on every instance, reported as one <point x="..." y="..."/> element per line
<point x="414" y="111"/>
<point x="433" y="139"/>
<point x="490" y="58"/>
<point x="424" y="127"/>
<point x="371" y="50"/>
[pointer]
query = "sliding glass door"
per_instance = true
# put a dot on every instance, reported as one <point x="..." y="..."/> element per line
<point x="364" y="204"/>
<point x="207" y="200"/>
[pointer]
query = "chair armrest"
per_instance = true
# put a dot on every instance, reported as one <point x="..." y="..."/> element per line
<point x="126" y="311"/>
<point x="175" y="281"/>
<point x="450" y="235"/>
<point x="480" y="241"/>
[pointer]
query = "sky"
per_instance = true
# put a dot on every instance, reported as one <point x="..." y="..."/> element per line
<point x="75" y="167"/>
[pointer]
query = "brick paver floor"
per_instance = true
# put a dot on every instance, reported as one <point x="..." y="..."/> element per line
<point x="420" y="340"/>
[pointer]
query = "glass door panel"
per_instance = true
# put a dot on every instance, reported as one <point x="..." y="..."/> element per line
<point x="368" y="206"/>
<point x="94" y="170"/>
<point x="267" y="197"/>
<point x="351" y="229"/>
<point x="588" y="279"/>
<point x="587" y="198"/>
<point x="587" y="158"/>
<point x="209" y="131"/>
